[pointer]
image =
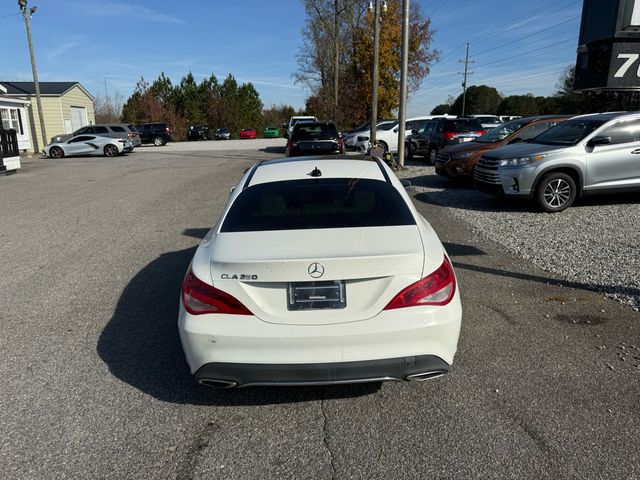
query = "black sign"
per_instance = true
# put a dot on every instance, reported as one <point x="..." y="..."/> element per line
<point x="609" y="46"/>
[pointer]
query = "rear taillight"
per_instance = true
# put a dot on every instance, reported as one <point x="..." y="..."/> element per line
<point x="341" y="145"/>
<point x="199" y="298"/>
<point x="480" y="132"/>
<point x="437" y="288"/>
<point x="449" y="135"/>
<point x="289" y="144"/>
<point x="132" y="135"/>
<point x="168" y="130"/>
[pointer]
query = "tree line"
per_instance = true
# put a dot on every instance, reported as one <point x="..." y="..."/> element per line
<point x="485" y="99"/>
<point x="217" y="104"/>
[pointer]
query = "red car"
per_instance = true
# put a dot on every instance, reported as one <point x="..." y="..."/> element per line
<point x="248" y="133"/>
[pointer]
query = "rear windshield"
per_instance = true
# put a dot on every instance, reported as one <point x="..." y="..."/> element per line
<point x="462" y="125"/>
<point x="317" y="203"/>
<point x="312" y="131"/>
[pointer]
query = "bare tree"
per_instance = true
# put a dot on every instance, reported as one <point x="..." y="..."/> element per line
<point x="108" y="108"/>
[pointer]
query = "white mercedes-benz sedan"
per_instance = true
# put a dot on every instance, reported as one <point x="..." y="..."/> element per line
<point x="319" y="271"/>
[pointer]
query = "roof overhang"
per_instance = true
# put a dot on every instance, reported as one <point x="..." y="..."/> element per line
<point x="14" y="100"/>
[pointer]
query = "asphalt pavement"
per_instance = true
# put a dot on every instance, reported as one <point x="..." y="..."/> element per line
<point x="93" y="382"/>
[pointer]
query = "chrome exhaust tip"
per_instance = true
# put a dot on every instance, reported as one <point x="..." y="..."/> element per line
<point x="421" y="377"/>
<point x="210" y="382"/>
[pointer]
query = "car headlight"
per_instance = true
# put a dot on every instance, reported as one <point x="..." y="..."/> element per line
<point x="519" y="161"/>
<point x="363" y="139"/>
<point x="461" y="155"/>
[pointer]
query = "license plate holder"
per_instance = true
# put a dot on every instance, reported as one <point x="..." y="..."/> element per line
<point x="325" y="295"/>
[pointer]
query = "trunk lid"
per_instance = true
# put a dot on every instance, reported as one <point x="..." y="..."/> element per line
<point x="372" y="265"/>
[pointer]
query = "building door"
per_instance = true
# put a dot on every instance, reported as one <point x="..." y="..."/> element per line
<point x="78" y="117"/>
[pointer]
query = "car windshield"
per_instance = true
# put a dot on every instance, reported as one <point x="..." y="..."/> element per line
<point x="501" y="132"/>
<point x="223" y="130"/>
<point x="313" y="131"/>
<point x="317" y="203"/>
<point x="567" y="133"/>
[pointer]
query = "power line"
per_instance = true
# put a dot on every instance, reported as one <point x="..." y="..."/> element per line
<point x="10" y="15"/>
<point x="493" y="62"/>
<point x="500" y="31"/>
<point x="533" y="34"/>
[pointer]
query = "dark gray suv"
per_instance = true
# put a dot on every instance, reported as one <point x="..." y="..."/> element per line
<point x="588" y="154"/>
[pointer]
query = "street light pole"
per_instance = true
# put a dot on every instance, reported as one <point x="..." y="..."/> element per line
<point x="402" y="113"/>
<point x="374" y="88"/>
<point x="26" y="13"/>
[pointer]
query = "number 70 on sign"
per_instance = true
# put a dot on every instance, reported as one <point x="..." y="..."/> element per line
<point x="630" y="59"/>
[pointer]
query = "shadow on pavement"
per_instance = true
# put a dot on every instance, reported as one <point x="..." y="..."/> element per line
<point x="274" y="149"/>
<point x="141" y="346"/>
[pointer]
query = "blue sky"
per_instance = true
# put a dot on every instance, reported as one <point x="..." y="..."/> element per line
<point x="519" y="46"/>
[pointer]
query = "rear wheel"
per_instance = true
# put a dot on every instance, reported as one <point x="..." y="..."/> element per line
<point x="408" y="151"/>
<point x="433" y="154"/>
<point x="110" y="151"/>
<point x="159" y="141"/>
<point x="56" y="152"/>
<point x="556" y="192"/>
<point x="385" y="148"/>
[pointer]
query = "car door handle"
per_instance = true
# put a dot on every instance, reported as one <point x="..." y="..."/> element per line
<point x="636" y="151"/>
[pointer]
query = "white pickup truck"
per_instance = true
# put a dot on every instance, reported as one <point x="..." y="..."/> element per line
<point x="295" y="119"/>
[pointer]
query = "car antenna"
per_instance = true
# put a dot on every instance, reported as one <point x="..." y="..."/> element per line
<point x="316" y="172"/>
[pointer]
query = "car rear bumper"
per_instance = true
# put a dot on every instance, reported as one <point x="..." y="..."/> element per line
<point x="228" y="375"/>
<point x="406" y="332"/>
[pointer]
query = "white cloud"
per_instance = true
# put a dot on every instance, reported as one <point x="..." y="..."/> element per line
<point x="117" y="9"/>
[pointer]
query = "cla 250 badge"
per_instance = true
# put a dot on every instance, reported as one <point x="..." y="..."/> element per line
<point x="234" y="276"/>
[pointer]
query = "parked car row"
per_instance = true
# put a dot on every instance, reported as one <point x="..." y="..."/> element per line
<point x="552" y="159"/>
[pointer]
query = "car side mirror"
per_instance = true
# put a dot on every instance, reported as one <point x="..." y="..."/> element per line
<point x="599" y="140"/>
<point x="515" y="140"/>
<point x="414" y="131"/>
<point x="395" y="130"/>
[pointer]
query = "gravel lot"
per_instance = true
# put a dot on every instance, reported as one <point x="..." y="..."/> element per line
<point x="594" y="243"/>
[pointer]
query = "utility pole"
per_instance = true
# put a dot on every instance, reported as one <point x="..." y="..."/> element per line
<point x="402" y="113"/>
<point x="374" y="88"/>
<point x="26" y="13"/>
<point x="464" y="82"/>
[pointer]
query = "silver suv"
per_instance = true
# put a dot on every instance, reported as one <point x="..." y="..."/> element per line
<point x="596" y="153"/>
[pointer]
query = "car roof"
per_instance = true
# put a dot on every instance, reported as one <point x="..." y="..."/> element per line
<point x="300" y="168"/>
<point x="607" y="116"/>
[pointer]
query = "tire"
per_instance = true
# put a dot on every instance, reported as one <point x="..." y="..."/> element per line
<point x="159" y="141"/>
<point x="385" y="148"/>
<point x="408" y="151"/>
<point x="56" y="152"/>
<point x="432" y="155"/>
<point x="556" y="192"/>
<point x="110" y="151"/>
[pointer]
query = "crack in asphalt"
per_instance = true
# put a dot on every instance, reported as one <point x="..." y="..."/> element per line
<point x="325" y="440"/>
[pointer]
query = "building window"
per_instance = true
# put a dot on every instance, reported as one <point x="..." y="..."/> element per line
<point x="11" y="119"/>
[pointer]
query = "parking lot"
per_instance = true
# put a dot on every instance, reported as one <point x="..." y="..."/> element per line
<point x="94" y="383"/>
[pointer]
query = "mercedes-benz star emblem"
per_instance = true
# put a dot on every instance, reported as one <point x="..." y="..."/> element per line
<point x="316" y="270"/>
